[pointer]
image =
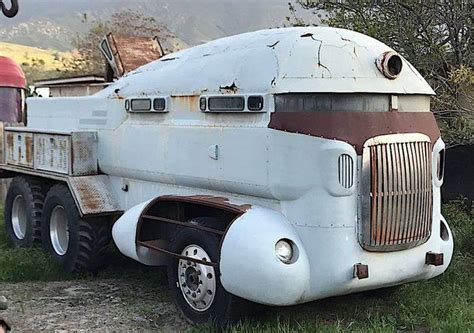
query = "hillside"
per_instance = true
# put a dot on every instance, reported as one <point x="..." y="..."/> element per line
<point x="29" y="56"/>
<point x="36" y="63"/>
<point x="55" y="23"/>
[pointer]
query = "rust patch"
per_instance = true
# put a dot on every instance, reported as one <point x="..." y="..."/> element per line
<point x="186" y="103"/>
<point x="434" y="259"/>
<point x="29" y="150"/>
<point x="132" y="52"/>
<point x="93" y="195"/>
<point x="355" y="128"/>
<point x="9" y="144"/>
<point x="92" y="202"/>
<point x="361" y="271"/>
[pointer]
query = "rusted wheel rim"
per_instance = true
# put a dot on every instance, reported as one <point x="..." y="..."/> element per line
<point x="197" y="281"/>
<point x="19" y="217"/>
<point x="59" y="230"/>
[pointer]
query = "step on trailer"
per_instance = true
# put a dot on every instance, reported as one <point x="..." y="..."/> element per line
<point x="276" y="167"/>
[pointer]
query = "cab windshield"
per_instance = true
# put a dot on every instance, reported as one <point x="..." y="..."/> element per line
<point x="11" y="105"/>
<point x="342" y="102"/>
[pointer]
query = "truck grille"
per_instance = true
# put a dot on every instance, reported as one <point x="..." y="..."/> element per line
<point x="396" y="213"/>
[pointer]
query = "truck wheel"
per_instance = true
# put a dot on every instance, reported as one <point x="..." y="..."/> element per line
<point x="23" y="209"/>
<point x="196" y="288"/>
<point x="77" y="244"/>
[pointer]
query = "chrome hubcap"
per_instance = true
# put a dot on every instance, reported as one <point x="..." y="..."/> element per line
<point x="197" y="281"/>
<point x="59" y="230"/>
<point x="19" y="218"/>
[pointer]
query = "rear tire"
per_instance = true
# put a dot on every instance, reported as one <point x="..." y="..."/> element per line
<point x="79" y="245"/>
<point x="196" y="288"/>
<point x="23" y="211"/>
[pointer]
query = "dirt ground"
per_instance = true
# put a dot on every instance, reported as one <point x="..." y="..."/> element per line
<point x="90" y="305"/>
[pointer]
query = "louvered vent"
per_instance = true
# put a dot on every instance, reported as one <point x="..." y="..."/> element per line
<point x="399" y="204"/>
<point x="346" y="171"/>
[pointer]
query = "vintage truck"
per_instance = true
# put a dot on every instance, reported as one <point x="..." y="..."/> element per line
<point x="275" y="167"/>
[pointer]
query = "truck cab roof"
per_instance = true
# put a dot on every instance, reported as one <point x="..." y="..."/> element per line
<point x="284" y="60"/>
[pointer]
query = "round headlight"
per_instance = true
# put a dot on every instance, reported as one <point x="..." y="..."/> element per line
<point x="284" y="251"/>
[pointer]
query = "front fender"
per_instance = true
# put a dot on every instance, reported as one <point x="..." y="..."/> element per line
<point x="249" y="266"/>
<point x="124" y="233"/>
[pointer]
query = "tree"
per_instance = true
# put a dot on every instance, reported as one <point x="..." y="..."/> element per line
<point x="89" y="60"/>
<point x="435" y="36"/>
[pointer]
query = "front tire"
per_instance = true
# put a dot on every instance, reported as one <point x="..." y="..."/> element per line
<point x="23" y="211"/>
<point x="196" y="287"/>
<point x="77" y="244"/>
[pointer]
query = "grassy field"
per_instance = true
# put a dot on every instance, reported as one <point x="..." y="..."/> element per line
<point x="32" y="56"/>
<point x="444" y="304"/>
<point x="37" y="63"/>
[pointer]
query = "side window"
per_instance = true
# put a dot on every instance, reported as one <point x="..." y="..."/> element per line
<point x="159" y="104"/>
<point x="255" y="103"/>
<point x="139" y="105"/>
<point x="321" y="102"/>
<point x="224" y="103"/>
<point x="245" y="104"/>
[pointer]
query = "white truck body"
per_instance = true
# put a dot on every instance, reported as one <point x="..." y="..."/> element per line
<point x="307" y="188"/>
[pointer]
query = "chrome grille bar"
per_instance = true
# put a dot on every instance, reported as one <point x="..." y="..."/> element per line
<point x="396" y="192"/>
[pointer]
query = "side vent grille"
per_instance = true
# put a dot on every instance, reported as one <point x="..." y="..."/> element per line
<point x="346" y="171"/>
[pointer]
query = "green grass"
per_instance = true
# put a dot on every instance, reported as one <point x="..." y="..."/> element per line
<point x="443" y="304"/>
<point x="34" y="264"/>
<point x="18" y="265"/>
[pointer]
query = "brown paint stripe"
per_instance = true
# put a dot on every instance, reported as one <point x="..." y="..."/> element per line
<point x="355" y="127"/>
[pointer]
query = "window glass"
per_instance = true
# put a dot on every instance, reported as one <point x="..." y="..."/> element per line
<point x="332" y="102"/>
<point x="141" y="104"/>
<point x="203" y="103"/>
<point x="414" y="103"/>
<point x="105" y="47"/>
<point x="255" y="103"/>
<point x="224" y="103"/>
<point x="159" y="104"/>
<point x="10" y="105"/>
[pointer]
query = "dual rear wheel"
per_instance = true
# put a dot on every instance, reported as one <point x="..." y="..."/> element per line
<point x="34" y="213"/>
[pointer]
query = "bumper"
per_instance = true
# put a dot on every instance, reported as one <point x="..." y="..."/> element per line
<point x="325" y="265"/>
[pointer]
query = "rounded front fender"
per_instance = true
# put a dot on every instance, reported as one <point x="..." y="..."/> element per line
<point x="249" y="266"/>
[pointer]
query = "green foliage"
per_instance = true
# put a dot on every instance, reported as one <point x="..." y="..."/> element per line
<point x="435" y="36"/>
<point x="460" y="216"/>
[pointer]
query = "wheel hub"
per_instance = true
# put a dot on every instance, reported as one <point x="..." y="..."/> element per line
<point x="59" y="230"/>
<point x="19" y="217"/>
<point x="196" y="281"/>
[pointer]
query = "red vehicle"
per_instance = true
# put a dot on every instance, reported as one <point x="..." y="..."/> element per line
<point x="12" y="92"/>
